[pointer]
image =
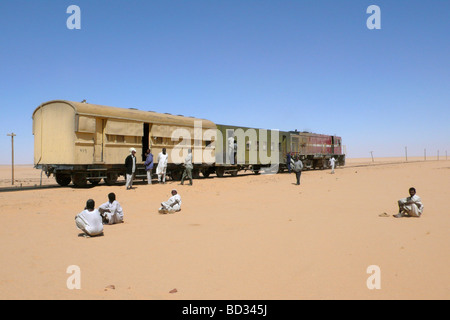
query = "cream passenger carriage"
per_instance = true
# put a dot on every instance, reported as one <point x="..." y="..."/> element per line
<point x="83" y="142"/>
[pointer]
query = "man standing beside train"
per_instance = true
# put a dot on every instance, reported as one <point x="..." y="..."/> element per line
<point x="231" y="149"/>
<point x="288" y="161"/>
<point x="130" y="164"/>
<point x="297" y="167"/>
<point x="163" y="158"/>
<point x="149" y="165"/>
<point x="332" y="164"/>
<point x="187" y="174"/>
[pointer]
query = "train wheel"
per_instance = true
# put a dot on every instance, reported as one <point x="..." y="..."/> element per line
<point x="256" y="169"/>
<point x="63" y="179"/>
<point x="195" y="174"/>
<point x="79" y="179"/>
<point x="220" y="172"/>
<point x="176" y="175"/>
<point x="234" y="173"/>
<point x="205" y="173"/>
<point x="307" y="164"/>
<point x="111" y="178"/>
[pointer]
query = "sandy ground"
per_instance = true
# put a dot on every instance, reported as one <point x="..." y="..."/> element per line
<point x="244" y="237"/>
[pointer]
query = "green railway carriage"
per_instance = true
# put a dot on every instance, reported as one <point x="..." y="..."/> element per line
<point x="244" y="148"/>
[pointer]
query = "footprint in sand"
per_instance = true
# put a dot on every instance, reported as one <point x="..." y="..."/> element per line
<point x="384" y="214"/>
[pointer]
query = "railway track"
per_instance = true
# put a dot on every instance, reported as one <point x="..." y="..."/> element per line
<point x="29" y="188"/>
<point x="53" y="186"/>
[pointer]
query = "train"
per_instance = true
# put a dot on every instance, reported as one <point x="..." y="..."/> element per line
<point x="83" y="143"/>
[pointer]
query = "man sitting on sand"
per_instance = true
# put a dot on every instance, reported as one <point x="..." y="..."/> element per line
<point x="111" y="211"/>
<point x="172" y="205"/>
<point x="411" y="206"/>
<point x="90" y="221"/>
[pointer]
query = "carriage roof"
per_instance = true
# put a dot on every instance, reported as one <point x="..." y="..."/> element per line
<point x="88" y="109"/>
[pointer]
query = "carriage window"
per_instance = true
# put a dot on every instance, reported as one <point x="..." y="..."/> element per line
<point x="157" y="140"/>
<point x="115" y="138"/>
<point x="166" y="141"/>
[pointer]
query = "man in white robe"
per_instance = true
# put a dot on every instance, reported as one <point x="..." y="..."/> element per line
<point x="111" y="211"/>
<point x="90" y="221"/>
<point x="231" y="149"/>
<point x="332" y="164"/>
<point x="172" y="205"/>
<point x="411" y="206"/>
<point x="163" y="158"/>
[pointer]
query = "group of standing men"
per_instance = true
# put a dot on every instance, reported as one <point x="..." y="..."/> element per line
<point x="161" y="169"/>
<point x="130" y="164"/>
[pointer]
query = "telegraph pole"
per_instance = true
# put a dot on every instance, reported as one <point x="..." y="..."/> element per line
<point x="12" y="135"/>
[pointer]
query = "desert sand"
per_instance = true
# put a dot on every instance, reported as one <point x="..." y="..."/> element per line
<point x="245" y="237"/>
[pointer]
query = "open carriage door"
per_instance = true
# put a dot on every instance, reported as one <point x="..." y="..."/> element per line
<point x="146" y="142"/>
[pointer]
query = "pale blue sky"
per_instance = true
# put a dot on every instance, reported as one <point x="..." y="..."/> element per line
<point x="307" y="65"/>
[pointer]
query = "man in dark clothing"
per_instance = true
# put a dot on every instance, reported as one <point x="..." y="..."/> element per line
<point x="288" y="162"/>
<point x="149" y="166"/>
<point x="297" y="167"/>
<point x="130" y="165"/>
